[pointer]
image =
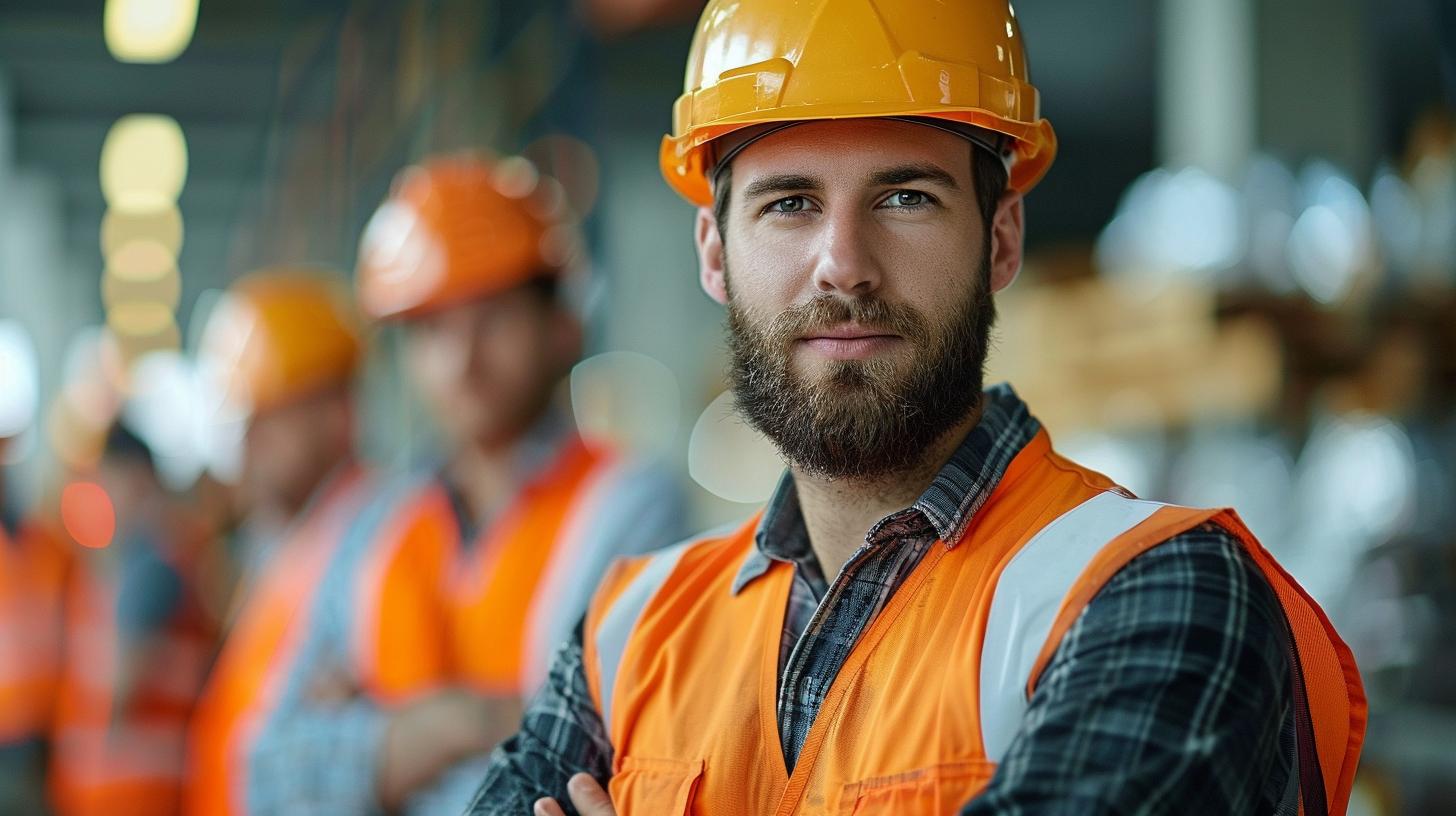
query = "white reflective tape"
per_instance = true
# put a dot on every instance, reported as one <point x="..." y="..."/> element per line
<point x="619" y="621"/>
<point x="1025" y="602"/>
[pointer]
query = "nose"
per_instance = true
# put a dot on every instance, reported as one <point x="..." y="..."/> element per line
<point x="845" y="263"/>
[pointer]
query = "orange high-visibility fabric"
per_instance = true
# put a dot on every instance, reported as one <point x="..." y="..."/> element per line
<point x="270" y="625"/>
<point x="692" y="716"/>
<point x="1331" y="678"/>
<point x="33" y="566"/>
<point x="113" y="760"/>
<point x="436" y="610"/>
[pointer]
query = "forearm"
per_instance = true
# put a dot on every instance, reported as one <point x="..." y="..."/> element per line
<point x="451" y="791"/>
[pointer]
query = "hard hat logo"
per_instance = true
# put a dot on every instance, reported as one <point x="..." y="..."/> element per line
<point x="755" y="62"/>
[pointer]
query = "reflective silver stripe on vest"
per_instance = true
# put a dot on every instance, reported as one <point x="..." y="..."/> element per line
<point x="1026" y="599"/>
<point x="619" y="621"/>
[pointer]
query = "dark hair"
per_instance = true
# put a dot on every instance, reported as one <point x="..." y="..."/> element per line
<point x="546" y="286"/>
<point x="121" y="444"/>
<point x="988" y="175"/>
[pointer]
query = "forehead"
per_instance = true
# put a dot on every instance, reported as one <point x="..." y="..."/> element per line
<point x="850" y="149"/>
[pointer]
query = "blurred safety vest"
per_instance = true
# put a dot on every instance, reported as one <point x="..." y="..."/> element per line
<point x="115" y="754"/>
<point x="441" y="610"/>
<point x="271" y="621"/>
<point x="33" y="566"/>
<point x="684" y="671"/>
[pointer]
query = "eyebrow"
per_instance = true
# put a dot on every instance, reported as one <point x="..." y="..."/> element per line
<point x="785" y="183"/>
<point x="888" y="177"/>
<point x="907" y="173"/>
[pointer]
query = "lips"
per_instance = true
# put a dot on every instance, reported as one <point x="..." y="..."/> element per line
<point x="849" y="342"/>
<point x="848" y="333"/>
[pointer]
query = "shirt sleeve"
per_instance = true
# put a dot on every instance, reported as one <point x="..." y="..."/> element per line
<point x="319" y="761"/>
<point x="1168" y="695"/>
<point x="562" y="734"/>
<point x="311" y="756"/>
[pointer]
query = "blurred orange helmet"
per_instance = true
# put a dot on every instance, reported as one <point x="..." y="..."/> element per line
<point x="758" y="62"/>
<point x="280" y="334"/>
<point x="456" y="228"/>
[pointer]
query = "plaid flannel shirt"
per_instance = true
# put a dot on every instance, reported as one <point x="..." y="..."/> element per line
<point x="1168" y="695"/>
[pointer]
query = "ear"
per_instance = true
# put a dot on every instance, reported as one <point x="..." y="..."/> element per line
<point x="567" y="337"/>
<point x="346" y="417"/>
<point x="711" y="268"/>
<point x="1008" y="228"/>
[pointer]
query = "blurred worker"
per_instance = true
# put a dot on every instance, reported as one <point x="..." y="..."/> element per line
<point x="935" y="611"/>
<point x="138" y="639"/>
<point x="284" y="346"/>
<point x="457" y="585"/>
<point x="33" y="565"/>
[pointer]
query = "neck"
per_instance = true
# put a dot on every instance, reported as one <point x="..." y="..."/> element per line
<point x="838" y="513"/>
<point x="485" y="476"/>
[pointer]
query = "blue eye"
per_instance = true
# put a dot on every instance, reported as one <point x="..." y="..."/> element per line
<point x="792" y="204"/>
<point x="907" y="198"/>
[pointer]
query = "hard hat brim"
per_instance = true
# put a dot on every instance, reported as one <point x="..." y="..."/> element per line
<point x="686" y="161"/>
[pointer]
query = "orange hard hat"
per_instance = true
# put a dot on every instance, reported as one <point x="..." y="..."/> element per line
<point x="456" y="228"/>
<point x="758" y="62"/>
<point x="280" y="334"/>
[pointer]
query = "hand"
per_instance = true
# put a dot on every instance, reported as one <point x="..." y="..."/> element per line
<point x="333" y="686"/>
<point x="586" y="796"/>
<point x="425" y="737"/>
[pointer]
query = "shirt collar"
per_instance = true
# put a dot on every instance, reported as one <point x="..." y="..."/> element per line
<point x="958" y="491"/>
<point x="534" y="451"/>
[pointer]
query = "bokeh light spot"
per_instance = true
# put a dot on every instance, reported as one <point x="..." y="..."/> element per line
<point x="88" y="515"/>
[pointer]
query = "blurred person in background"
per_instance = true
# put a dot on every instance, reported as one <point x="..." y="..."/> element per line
<point x="935" y="610"/>
<point x="456" y="584"/>
<point x="33" y="566"/>
<point x="138" y="638"/>
<point x="284" y="346"/>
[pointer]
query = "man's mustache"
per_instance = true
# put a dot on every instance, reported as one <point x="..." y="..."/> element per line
<point x="826" y="312"/>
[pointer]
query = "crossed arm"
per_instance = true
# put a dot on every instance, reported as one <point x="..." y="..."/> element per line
<point x="1169" y="695"/>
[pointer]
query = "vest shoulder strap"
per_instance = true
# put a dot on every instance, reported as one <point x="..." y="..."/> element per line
<point x="1026" y="600"/>
<point x="624" y="594"/>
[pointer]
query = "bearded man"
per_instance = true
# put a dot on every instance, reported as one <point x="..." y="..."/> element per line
<point x="935" y="612"/>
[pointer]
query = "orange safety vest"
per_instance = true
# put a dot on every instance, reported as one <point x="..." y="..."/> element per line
<point x="435" y="612"/>
<point x="684" y="672"/>
<point x="33" y="566"/>
<point x="252" y="668"/>
<point x="118" y="762"/>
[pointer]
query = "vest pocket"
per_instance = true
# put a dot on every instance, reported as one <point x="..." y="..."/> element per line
<point x="937" y="789"/>
<point x="647" y="787"/>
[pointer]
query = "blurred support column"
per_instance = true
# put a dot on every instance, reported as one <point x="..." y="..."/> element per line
<point x="1316" y="81"/>
<point x="1208" y="96"/>
<point x="46" y="290"/>
<point x="7" y="128"/>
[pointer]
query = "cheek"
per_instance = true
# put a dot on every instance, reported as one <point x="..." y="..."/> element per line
<point x="430" y="360"/>
<point x="771" y="273"/>
<point x="930" y="269"/>
<point x="516" y="356"/>
<point x="279" y="441"/>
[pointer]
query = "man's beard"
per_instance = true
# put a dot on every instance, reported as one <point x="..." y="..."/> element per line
<point x="861" y="419"/>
